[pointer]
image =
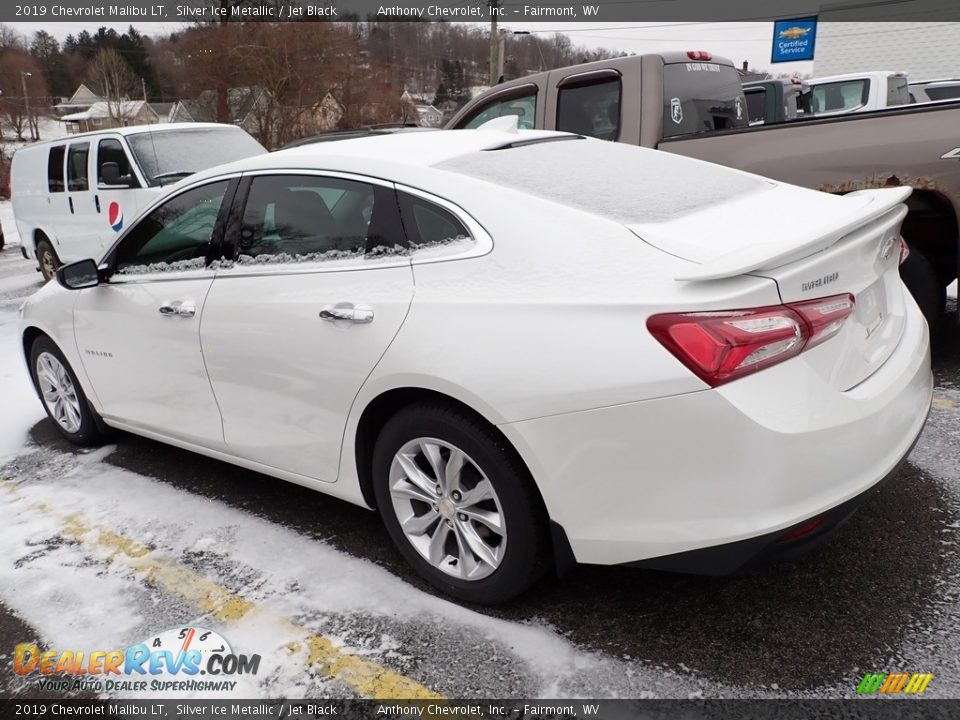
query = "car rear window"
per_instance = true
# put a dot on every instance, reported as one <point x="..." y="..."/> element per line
<point x="621" y="182"/>
<point x="700" y="97"/>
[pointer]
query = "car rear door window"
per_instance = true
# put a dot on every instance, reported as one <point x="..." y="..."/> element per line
<point x="296" y="218"/>
<point x="178" y="235"/>
<point x="590" y="107"/>
<point x="55" y="168"/>
<point x="77" y="175"/>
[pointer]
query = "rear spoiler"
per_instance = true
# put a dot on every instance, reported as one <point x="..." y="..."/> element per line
<point x="762" y="256"/>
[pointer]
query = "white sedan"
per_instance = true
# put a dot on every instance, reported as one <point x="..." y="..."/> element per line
<point x="524" y="349"/>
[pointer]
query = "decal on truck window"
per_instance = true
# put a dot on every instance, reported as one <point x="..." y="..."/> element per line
<point x="115" y="216"/>
<point x="676" y="110"/>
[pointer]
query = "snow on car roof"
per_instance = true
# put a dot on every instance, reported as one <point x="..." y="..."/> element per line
<point x="421" y="149"/>
<point x="621" y="182"/>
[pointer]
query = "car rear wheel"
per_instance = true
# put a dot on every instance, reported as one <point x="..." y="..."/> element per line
<point x="459" y="504"/>
<point x="48" y="259"/>
<point x="62" y="396"/>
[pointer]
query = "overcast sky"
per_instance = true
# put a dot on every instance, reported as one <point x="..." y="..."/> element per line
<point x="737" y="41"/>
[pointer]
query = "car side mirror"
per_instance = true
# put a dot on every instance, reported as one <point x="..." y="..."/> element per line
<point x="79" y="275"/>
<point x="110" y="174"/>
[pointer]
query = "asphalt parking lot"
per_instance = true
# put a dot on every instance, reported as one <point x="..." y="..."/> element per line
<point x="882" y="596"/>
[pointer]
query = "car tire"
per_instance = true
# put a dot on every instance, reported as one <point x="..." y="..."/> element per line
<point x="61" y="395"/>
<point x="507" y="562"/>
<point x="48" y="259"/>
<point x="921" y="280"/>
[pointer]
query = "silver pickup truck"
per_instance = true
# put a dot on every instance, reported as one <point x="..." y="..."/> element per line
<point x="693" y="104"/>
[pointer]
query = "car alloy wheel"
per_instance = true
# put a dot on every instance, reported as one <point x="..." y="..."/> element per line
<point x="58" y="392"/>
<point x="447" y="508"/>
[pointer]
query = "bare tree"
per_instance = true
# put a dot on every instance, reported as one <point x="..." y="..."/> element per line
<point x="116" y="80"/>
<point x="18" y="71"/>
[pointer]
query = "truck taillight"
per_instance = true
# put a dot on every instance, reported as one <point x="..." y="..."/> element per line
<point x="699" y="55"/>
<point x="721" y="346"/>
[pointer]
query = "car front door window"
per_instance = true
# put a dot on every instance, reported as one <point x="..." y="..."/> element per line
<point x="176" y="236"/>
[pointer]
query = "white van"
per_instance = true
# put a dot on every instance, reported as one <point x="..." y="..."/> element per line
<point x="71" y="196"/>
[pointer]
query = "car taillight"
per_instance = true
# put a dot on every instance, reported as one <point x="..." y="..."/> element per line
<point x="904" y="251"/>
<point x="720" y="346"/>
<point x="699" y="55"/>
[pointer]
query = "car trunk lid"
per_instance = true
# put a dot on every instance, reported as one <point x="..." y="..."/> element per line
<point x="820" y="246"/>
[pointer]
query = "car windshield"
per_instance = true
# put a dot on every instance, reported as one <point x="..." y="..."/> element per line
<point x="170" y="155"/>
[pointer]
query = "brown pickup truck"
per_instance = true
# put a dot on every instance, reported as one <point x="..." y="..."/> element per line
<point x="693" y="104"/>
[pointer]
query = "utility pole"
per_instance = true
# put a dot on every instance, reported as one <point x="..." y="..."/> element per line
<point x="494" y="42"/>
<point x="34" y="135"/>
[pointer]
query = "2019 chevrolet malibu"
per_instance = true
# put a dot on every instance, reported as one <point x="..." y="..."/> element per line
<point x="521" y="348"/>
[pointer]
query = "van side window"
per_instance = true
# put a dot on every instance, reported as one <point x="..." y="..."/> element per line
<point x="590" y="108"/>
<point x="110" y="150"/>
<point x="55" y="168"/>
<point x="77" y="180"/>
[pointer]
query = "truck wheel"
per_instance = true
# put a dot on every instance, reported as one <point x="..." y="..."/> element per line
<point x="921" y="280"/>
<point x="47" y="257"/>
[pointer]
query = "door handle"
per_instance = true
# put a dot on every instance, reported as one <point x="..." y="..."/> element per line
<point x="179" y="309"/>
<point x="96" y="201"/>
<point x="70" y="200"/>
<point x="348" y="311"/>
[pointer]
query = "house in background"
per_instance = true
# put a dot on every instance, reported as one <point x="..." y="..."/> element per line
<point x="163" y="111"/>
<point x="82" y="99"/>
<point x="103" y="115"/>
<point x="245" y="104"/>
<point x="429" y="116"/>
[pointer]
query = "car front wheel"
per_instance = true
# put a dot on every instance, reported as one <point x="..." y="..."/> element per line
<point x="62" y="396"/>
<point x="459" y="504"/>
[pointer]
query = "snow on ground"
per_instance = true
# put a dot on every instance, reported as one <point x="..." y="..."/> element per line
<point x="10" y="235"/>
<point x="20" y="410"/>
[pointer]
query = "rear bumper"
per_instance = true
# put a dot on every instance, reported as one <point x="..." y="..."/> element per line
<point x="764" y="549"/>
<point x="714" y="478"/>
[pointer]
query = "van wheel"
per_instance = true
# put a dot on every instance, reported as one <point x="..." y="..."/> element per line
<point x="47" y="257"/>
<point x="459" y="505"/>
<point x="921" y="280"/>
<point x="62" y="396"/>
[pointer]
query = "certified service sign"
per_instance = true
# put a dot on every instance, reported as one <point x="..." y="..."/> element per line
<point x="794" y="39"/>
